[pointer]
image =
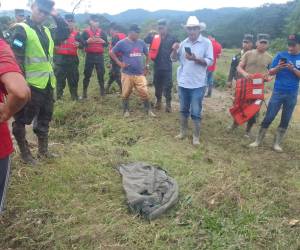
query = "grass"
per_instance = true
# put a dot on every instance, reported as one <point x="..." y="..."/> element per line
<point x="231" y="197"/>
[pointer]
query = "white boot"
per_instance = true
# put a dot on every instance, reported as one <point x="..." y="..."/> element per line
<point x="259" y="139"/>
<point x="278" y="139"/>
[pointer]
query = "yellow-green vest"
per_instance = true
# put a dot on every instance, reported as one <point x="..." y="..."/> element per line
<point x="38" y="67"/>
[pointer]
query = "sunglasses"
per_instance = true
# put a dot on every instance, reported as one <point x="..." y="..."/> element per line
<point x="193" y="28"/>
<point x="263" y="42"/>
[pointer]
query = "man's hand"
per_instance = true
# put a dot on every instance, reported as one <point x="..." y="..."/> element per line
<point x="4" y="113"/>
<point x="247" y="75"/>
<point x="175" y="46"/>
<point x="123" y="65"/>
<point x="291" y="67"/>
<point x="191" y="57"/>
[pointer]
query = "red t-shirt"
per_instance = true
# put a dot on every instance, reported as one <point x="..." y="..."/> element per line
<point x="7" y="64"/>
<point x="217" y="52"/>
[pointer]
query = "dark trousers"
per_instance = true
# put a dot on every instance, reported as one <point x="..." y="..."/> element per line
<point x="114" y="76"/>
<point x="88" y="70"/>
<point x="39" y="109"/>
<point x="163" y="84"/>
<point x="70" y="73"/>
<point x="4" y="178"/>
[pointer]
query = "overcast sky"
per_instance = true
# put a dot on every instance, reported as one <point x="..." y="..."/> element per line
<point x="117" y="6"/>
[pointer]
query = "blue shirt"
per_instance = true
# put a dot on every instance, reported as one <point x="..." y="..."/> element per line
<point x="132" y="54"/>
<point x="286" y="80"/>
<point x="190" y="74"/>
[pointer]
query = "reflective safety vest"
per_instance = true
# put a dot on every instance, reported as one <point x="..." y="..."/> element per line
<point x="68" y="47"/>
<point x="249" y="95"/>
<point x="37" y="65"/>
<point x="154" y="47"/>
<point x="94" y="47"/>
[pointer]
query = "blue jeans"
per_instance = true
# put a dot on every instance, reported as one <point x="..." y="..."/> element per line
<point x="191" y="102"/>
<point x="287" y="101"/>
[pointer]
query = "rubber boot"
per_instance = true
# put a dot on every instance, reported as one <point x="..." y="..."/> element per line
<point x="278" y="139"/>
<point x="84" y="93"/>
<point x="196" y="133"/>
<point x="183" y="128"/>
<point x="248" y="130"/>
<point x="126" y="108"/>
<point x="168" y="106"/>
<point x="259" y="139"/>
<point x="43" y="148"/>
<point x="232" y="127"/>
<point x="147" y="108"/>
<point x="158" y="104"/>
<point x="102" y="89"/>
<point x="19" y="134"/>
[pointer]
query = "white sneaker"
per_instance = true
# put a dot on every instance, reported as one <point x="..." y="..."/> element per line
<point x="126" y="114"/>
<point x="254" y="144"/>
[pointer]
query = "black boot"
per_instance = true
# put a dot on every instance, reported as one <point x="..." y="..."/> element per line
<point x="168" y="106"/>
<point x="126" y="108"/>
<point x="102" y="89"/>
<point x="43" y="148"/>
<point x="19" y="134"/>
<point x="147" y="108"/>
<point x="158" y="104"/>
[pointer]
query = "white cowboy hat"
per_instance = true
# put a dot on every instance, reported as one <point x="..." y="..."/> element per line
<point x="194" y="22"/>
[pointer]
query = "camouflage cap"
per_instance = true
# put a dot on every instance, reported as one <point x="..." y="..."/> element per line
<point x="248" y="38"/>
<point x="263" y="38"/>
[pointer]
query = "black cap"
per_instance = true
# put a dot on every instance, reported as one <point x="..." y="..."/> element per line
<point x="19" y="12"/>
<point x="248" y="38"/>
<point x="95" y="18"/>
<point x="162" y="22"/>
<point x="135" y="28"/>
<point x="45" y="5"/>
<point x="293" y="39"/>
<point x="263" y="37"/>
<point x="69" y="17"/>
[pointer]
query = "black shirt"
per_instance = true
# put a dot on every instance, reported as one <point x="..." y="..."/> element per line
<point x="94" y="57"/>
<point x="163" y="60"/>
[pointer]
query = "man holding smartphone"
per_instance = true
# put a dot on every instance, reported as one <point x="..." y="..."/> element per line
<point x="286" y="68"/>
<point x="195" y="54"/>
<point x="33" y="45"/>
<point x="254" y="61"/>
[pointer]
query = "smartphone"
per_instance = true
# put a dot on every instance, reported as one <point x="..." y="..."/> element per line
<point x="188" y="50"/>
<point x="283" y="60"/>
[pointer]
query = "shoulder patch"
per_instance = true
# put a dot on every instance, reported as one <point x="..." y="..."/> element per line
<point x="18" y="43"/>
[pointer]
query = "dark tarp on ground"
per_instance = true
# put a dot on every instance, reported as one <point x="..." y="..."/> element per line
<point x="149" y="190"/>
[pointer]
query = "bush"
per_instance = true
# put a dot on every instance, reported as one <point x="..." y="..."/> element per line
<point x="220" y="80"/>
